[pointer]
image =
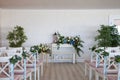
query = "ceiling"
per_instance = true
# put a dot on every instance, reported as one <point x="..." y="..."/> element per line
<point x="60" y="4"/>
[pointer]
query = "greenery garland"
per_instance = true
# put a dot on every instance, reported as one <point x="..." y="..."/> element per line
<point x="99" y="50"/>
<point x="117" y="58"/>
<point x="42" y="48"/>
<point x="15" y="59"/>
<point x="76" y="42"/>
<point x="24" y="54"/>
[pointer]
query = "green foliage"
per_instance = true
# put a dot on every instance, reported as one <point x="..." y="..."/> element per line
<point x="42" y="48"/>
<point x="105" y="53"/>
<point x="99" y="50"/>
<point x="117" y="58"/>
<point x="16" y="37"/>
<point x="34" y="49"/>
<point x="76" y="42"/>
<point x="24" y="54"/>
<point x="15" y="59"/>
<point x="108" y="36"/>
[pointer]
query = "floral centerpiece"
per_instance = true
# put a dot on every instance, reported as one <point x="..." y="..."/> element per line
<point x="76" y="42"/>
<point x="42" y="48"/>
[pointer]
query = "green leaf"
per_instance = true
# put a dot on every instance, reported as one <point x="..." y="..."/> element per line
<point x="16" y="37"/>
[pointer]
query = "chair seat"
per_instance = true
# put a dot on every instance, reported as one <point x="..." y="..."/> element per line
<point x="112" y="77"/>
<point x="87" y="61"/>
<point x="39" y="62"/>
<point x="3" y="76"/>
<point x="109" y="72"/>
<point x="20" y="74"/>
<point x="93" y="64"/>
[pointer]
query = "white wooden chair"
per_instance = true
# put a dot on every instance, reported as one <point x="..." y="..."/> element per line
<point x="23" y="73"/>
<point x="96" y="61"/>
<point x="36" y="65"/>
<point x="110" y="68"/>
<point x="87" y="62"/>
<point x="5" y="73"/>
<point x="19" y="69"/>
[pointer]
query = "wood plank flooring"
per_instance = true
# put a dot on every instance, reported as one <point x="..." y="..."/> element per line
<point x="63" y="71"/>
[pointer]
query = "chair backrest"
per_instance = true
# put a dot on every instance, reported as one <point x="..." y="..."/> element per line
<point x="4" y="66"/>
<point x="2" y="49"/>
<point x="97" y="57"/>
<point x="17" y="49"/>
<point x="113" y="51"/>
<point x="112" y="66"/>
<point x="92" y="56"/>
<point x="12" y="52"/>
<point x="27" y="49"/>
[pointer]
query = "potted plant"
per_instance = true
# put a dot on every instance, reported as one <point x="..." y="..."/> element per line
<point x="16" y="37"/>
<point x="108" y="36"/>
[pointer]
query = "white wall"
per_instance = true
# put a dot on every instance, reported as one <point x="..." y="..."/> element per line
<point x="39" y="25"/>
<point x="0" y="26"/>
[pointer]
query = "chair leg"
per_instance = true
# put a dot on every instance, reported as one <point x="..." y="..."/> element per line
<point x="90" y="73"/>
<point x="38" y="73"/>
<point x="104" y="77"/>
<point x="30" y="76"/>
<point x="41" y="69"/>
<point x="85" y="72"/>
<point x="85" y="69"/>
<point x="96" y="76"/>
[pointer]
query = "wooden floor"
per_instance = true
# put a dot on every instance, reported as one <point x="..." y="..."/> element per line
<point x="63" y="71"/>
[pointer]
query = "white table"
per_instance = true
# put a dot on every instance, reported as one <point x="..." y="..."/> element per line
<point x="65" y="53"/>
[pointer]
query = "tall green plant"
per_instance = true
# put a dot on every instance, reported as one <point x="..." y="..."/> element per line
<point x="108" y="36"/>
<point x="16" y="37"/>
<point x="115" y="36"/>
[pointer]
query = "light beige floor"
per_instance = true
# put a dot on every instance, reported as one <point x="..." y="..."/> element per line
<point x="63" y="71"/>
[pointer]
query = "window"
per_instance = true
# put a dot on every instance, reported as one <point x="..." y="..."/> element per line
<point x="115" y="20"/>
